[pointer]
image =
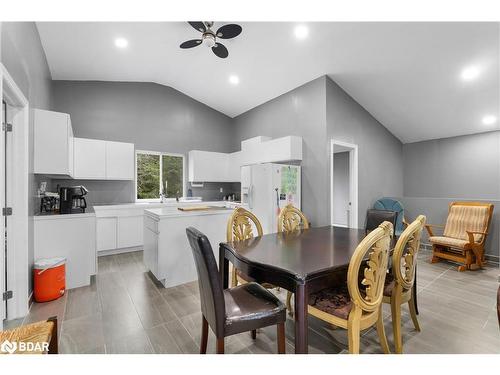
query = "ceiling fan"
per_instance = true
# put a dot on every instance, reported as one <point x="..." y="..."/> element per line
<point x="209" y="37"/>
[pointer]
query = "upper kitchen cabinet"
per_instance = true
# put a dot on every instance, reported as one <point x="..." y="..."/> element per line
<point x="205" y="166"/>
<point x="104" y="160"/>
<point x="120" y="161"/>
<point x="90" y="159"/>
<point x="53" y="143"/>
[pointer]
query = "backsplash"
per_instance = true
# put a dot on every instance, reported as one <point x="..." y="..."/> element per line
<point x="211" y="190"/>
<point x="117" y="192"/>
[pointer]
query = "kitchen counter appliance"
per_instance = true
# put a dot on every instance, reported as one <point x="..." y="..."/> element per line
<point x="72" y="200"/>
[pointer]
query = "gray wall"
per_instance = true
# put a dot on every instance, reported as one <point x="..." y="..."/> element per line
<point x="440" y="171"/>
<point x="153" y="117"/>
<point x="299" y="112"/>
<point x="380" y="154"/>
<point x="340" y="187"/>
<point x="22" y="55"/>
<point x="318" y="111"/>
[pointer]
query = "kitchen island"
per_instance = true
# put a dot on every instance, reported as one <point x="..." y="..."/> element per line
<point x="167" y="253"/>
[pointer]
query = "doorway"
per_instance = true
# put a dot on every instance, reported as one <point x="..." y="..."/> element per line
<point x="344" y="184"/>
<point x="14" y="159"/>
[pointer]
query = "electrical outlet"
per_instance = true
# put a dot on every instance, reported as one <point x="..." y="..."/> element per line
<point x="221" y="190"/>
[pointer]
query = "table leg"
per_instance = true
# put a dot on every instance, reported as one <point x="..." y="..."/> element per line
<point x="414" y="292"/>
<point x="223" y="268"/>
<point x="301" y="326"/>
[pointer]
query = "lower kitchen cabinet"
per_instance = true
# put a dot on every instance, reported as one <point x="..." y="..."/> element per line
<point x="106" y="233"/>
<point x="119" y="232"/>
<point x="129" y="231"/>
<point x="71" y="236"/>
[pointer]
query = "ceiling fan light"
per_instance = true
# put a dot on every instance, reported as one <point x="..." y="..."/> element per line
<point x="209" y="40"/>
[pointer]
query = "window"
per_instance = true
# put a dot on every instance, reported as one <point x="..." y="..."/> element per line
<point x="158" y="172"/>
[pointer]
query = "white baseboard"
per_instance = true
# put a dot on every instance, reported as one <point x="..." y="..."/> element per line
<point x="124" y="250"/>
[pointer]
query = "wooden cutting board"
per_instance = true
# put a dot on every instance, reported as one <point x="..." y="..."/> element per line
<point x="194" y="208"/>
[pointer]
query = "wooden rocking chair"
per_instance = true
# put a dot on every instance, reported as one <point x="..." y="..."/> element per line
<point x="464" y="234"/>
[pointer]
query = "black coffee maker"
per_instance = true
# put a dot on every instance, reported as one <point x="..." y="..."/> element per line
<point x="71" y="199"/>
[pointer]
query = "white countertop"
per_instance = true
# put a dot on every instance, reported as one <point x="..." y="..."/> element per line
<point x="63" y="216"/>
<point x="160" y="213"/>
<point x="143" y="205"/>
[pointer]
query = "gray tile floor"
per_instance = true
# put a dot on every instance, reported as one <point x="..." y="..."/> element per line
<point x="125" y="311"/>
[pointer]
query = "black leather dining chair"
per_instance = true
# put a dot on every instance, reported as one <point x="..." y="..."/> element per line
<point x="376" y="217"/>
<point x="246" y="307"/>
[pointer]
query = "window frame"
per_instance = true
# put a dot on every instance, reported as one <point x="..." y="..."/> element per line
<point x="158" y="200"/>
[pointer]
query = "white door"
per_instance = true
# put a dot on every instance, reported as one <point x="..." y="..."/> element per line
<point x="8" y="242"/>
<point x="3" y="252"/>
<point x="344" y="184"/>
<point x="341" y="199"/>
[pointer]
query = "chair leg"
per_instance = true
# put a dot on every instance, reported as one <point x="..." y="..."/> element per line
<point x="413" y="313"/>
<point x="220" y="346"/>
<point x="254" y="334"/>
<point x="381" y="332"/>
<point x="204" y="336"/>
<point x="281" y="337"/>
<point x="396" y="323"/>
<point x="54" y="341"/>
<point x="289" y="303"/>
<point x="353" y="331"/>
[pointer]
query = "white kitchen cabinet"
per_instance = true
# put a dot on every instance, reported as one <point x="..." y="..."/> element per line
<point x="53" y="144"/>
<point x="120" y="161"/>
<point x="71" y="236"/>
<point x="234" y="166"/>
<point x="129" y="231"/>
<point x="106" y="233"/>
<point x="205" y="166"/>
<point x="90" y="159"/>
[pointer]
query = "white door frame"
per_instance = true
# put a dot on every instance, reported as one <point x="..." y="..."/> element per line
<point x="353" y="180"/>
<point x="17" y="267"/>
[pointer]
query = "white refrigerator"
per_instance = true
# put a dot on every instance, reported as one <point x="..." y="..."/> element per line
<point x="267" y="188"/>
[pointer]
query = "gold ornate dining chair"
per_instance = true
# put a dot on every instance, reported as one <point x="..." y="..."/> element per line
<point x="399" y="283"/>
<point x="291" y="219"/>
<point x="358" y="305"/>
<point x="240" y="227"/>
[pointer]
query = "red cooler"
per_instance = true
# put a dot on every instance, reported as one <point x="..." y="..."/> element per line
<point x="49" y="277"/>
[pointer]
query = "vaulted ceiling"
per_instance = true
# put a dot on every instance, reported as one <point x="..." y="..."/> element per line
<point x="407" y="75"/>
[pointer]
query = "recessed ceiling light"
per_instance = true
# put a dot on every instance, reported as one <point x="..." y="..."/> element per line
<point x="301" y="31"/>
<point x="489" y="120"/>
<point x="470" y="73"/>
<point x="234" y="79"/>
<point x="121" y="42"/>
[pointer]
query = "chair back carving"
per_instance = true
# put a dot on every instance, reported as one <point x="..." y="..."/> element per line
<point x="291" y="219"/>
<point x="404" y="258"/>
<point x="209" y="282"/>
<point x="239" y="225"/>
<point x="376" y="245"/>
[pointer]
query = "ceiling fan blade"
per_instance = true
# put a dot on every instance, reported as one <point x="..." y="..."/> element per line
<point x="220" y="50"/>
<point x="229" y="31"/>
<point x="191" y="43"/>
<point x="198" y="25"/>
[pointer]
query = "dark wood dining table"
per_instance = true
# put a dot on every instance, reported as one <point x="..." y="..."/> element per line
<point x="302" y="262"/>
